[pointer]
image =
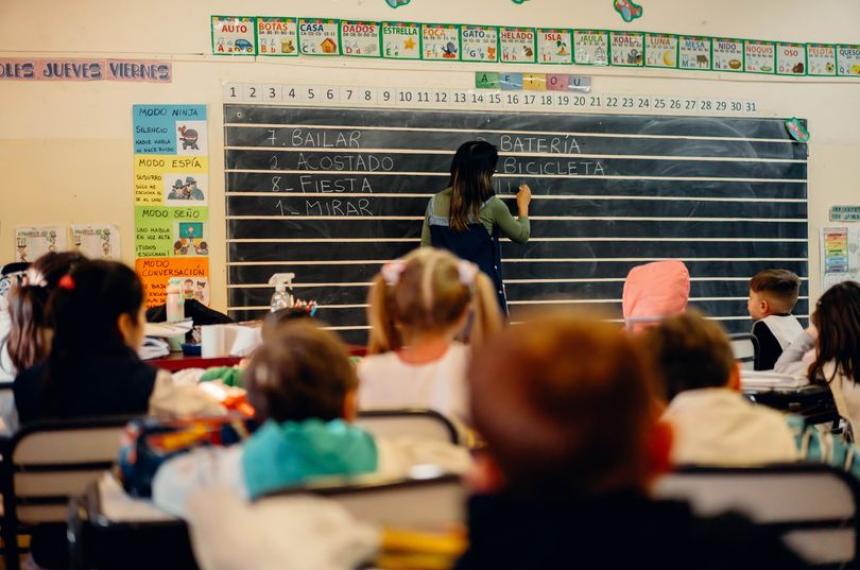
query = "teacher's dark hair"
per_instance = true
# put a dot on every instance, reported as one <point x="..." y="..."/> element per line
<point x="471" y="180"/>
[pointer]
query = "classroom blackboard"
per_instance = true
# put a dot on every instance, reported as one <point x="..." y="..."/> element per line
<point x="332" y="193"/>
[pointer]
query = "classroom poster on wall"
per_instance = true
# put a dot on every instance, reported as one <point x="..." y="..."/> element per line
<point x="840" y="255"/>
<point x="233" y="35"/>
<point x="32" y="242"/>
<point x="277" y="36"/>
<point x="171" y="194"/>
<point x="661" y="50"/>
<point x="360" y="39"/>
<point x="694" y="52"/>
<point x="480" y="43"/>
<point x="728" y="54"/>
<point x="401" y="40"/>
<point x="590" y="47"/>
<point x="790" y="59"/>
<point x="821" y="59"/>
<point x="555" y="46"/>
<point x="96" y="240"/>
<point x="627" y="49"/>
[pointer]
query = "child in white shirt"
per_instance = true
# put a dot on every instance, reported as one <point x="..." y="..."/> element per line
<point x="773" y="294"/>
<point x="419" y="306"/>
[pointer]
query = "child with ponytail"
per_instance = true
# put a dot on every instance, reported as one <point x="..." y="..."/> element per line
<point x="418" y="307"/>
<point x="96" y="319"/>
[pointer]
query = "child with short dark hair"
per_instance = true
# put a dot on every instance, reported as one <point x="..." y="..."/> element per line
<point x="567" y="409"/>
<point x="772" y="296"/>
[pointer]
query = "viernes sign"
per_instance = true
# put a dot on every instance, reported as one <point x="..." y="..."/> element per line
<point x="64" y="69"/>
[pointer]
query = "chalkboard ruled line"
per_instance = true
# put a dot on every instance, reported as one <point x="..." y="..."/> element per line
<point x="682" y="158"/>
<point x="266" y="285"/>
<point x="585" y="197"/>
<point x="536" y="239"/>
<point x="530" y="260"/>
<point x="509" y="132"/>
<point x="521" y="176"/>
<point x="576" y="301"/>
<point x="538" y="218"/>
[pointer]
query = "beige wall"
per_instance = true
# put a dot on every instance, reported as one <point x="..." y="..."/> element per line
<point x="65" y="148"/>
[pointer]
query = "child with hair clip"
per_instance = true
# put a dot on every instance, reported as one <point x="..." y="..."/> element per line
<point x="96" y="317"/>
<point x="418" y="307"/>
<point x="29" y="335"/>
<point x="832" y="343"/>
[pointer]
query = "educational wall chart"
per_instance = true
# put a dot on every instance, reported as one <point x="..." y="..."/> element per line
<point x="287" y="35"/>
<point x="840" y="255"/>
<point x="31" y="242"/>
<point x="171" y="193"/>
<point x="78" y="69"/>
<point x="96" y="240"/>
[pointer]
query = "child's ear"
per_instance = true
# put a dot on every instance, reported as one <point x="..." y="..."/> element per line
<point x="485" y="476"/>
<point x="735" y="377"/>
<point x="660" y="448"/>
<point x="350" y="405"/>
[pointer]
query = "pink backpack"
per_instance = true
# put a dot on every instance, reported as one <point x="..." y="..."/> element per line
<point x="654" y="291"/>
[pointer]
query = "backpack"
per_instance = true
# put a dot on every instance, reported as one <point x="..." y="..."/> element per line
<point x="148" y="442"/>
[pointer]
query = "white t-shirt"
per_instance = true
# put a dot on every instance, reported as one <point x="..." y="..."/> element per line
<point x="388" y="382"/>
<point x="718" y="426"/>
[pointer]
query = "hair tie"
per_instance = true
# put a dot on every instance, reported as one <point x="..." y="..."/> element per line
<point x="66" y="282"/>
<point x="467" y="271"/>
<point x="392" y="271"/>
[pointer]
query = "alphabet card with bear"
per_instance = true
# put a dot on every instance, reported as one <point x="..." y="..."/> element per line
<point x="627" y="49"/>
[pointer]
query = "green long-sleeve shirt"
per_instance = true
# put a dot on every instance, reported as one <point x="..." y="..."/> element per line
<point x="493" y="213"/>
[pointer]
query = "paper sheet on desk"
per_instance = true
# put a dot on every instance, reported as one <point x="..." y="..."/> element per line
<point x="167" y="330"/>
<point x="229" y="340"/>
<point x="769" y="380"/>
<point x="153" y="348"/>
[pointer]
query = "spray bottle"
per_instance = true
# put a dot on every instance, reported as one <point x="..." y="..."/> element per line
<point x="283" y="296"/>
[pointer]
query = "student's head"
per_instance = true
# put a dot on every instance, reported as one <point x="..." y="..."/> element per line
<point x="29" y="340"/>
<point x="690" y="352"/>
<point x="471" y="180"/>
<point x="566" y="405"/>
<point x="430" y="292"/>
<point x="97" y="307"/>
<point x="837" y="318"/>
<point x="275" y="320"/>
<point x="301" y="372"/>
<point x="773" y="292"/>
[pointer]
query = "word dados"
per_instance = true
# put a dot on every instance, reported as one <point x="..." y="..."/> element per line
<point x="513" y="165"/>
<point x="348" y="162"/>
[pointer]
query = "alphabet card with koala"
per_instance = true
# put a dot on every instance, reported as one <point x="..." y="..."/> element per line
<point x="171" y="191"/>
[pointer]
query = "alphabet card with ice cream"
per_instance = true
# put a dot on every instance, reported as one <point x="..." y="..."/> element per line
<point x="517" y="45"/>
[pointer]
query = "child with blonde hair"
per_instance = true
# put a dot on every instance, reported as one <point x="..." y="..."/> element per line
<point x="418" y="307"/>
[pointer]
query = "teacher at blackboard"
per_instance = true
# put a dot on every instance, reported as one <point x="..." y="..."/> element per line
<point x="467" y="217"/>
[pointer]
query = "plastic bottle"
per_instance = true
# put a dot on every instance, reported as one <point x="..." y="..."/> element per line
<point x="175" y="304"/>
<point x="282" y="298"/>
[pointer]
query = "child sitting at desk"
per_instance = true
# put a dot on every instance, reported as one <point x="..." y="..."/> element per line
<point x="419" y="305"/>
<point x="773" y="294"/>
<point x="303" y="388"/>
<point x="834" y="342"/>
<point x="566" y="406"/>
<point x="97" y="318"/>
<point x="714" y="424"/>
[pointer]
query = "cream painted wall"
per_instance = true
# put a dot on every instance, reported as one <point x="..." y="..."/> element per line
<point x="66" y="148"/>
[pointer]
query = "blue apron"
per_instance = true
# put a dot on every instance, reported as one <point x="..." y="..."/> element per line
<point x="474" y="244"/>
